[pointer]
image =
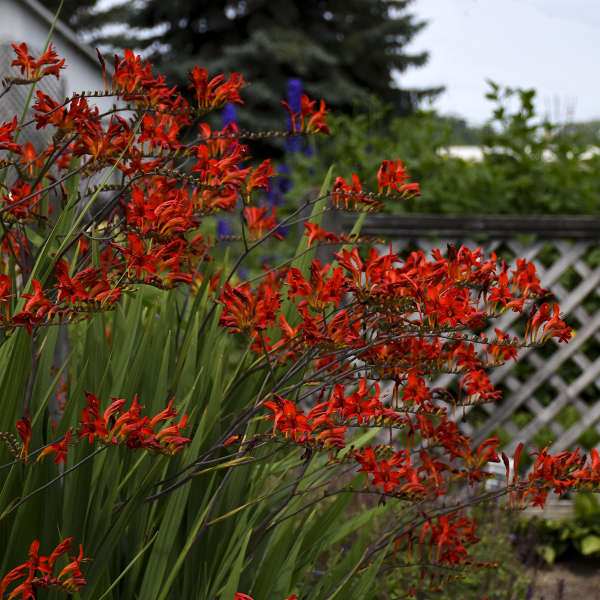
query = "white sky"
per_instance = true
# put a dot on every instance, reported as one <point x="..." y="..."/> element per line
<point x="550" y="45"/>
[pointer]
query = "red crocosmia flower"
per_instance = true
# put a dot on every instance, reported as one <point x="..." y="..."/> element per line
<point x="68" y="288"/>
<point x="95" y="142"/>
<point x="24" y="430"/>
<point x="129" y="427"/>
<point x="555" y="327"/>
<point x="34" y="69"/>
<point x="170" y="437"/>
<point x="61" y="549"/>
<point x="164" y="415"/>
<point x="130" y="74"/>
<point x="478" y="385"/>
<point x="38" y="573"/>
<point x="21" y="201"/>
<point x="69" y="118"/>
<point x="415" y="391"/>
<point x="36" y="308"/>
<point x="217" y="92"/>
<point x="286" y="417"/>
<point x="318" y="234"/>
<point x="137" y="257"/>
<point x="247" y="312"/>
<point x="161" y="131"/>
<point x="320" y="291"/>
<point x="367" y="460"/>
<point x="6" y="136"/>
<point x="37" y="301"/>
<point x="391" y="177"/>
<point x="260" y="177"/>
<point x="5" y="296"/>
<point x="352" y="197"/>
<point x="317" y="123"/>
<point x="58" y="448"/>
<point x="75" y="580"/>
<point x="525" y="279"/>
<point x="289" y="334"/>
<point x="92" y="424"/>
<point x="308" y="119"/>
<point x="391" y="174"/>
<point x="259" y="224"/>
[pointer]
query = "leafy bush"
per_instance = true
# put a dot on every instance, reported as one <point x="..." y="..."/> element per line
<point x="529" y="166"/>
<point x="579" y="535"/>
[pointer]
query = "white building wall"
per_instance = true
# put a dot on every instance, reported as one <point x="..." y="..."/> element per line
<point x="19" y="23"/>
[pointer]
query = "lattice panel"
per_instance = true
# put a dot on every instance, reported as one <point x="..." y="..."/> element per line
<point x="553" y="393"/>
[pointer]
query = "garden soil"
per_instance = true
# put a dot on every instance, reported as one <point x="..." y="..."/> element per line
<point x="580" y="580"/>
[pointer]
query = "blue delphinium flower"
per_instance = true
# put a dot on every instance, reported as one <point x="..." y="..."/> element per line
<point x="293" y="96"/>
<point x="229" y="114"/>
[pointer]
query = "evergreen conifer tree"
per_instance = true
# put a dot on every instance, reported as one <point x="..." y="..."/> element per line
<point x="340" y="50"/>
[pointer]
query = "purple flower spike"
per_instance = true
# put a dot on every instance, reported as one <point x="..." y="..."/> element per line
<point x="223" y="229"/>
<point x="229" y="114"/>
<point x="293" y="96"/>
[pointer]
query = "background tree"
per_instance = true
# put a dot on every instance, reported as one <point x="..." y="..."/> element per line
<point x="341" y="50"/>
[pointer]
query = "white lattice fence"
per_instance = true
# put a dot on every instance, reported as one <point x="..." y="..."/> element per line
<point x="553" y="393"/>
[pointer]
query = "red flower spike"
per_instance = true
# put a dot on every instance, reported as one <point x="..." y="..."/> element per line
<point x="58" y="448"/>
<point x="32" y="69"/>
<point x="260" y="177"/>
<point x="118" y="426"/>
<point x="308" y="119"/>
<point x="318" y="234"/>
<point x="6" y="136"/>
<point x="259" y="223"/>
<point x="286" y="418"/>
<point x="38" y="573"/>
<point x="247" y="312"/>
<point x="24" y="430"/>
<point x="217" y="92"/>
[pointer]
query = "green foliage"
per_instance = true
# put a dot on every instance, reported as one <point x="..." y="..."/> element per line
<point x="204" y="523"/>
<point x="503" y="578"/>
<point x="579" y="535"/>
<point x="529" y="166"/>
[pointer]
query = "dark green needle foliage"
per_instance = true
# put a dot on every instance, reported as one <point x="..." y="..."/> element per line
<point x="342" y="50"/>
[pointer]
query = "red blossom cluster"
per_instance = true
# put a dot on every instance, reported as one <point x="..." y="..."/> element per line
<point x="377" y="318"/>
<point x="216" y="92"/>
<point x="390" y="181"/>
<point x="445" y="537"/>
<point x="33" y="69"/>
<point x="38" y="572"/>
<point x="119" y="426"/>
<point x="308" y="119"/>
<point x="115" y="426"/>
<point x="369" y="331"/>
<point x="153" y="229"/>
<point x="558" y="473"/>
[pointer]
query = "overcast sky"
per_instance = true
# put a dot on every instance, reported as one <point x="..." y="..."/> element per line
<point x="550" y="45"/>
